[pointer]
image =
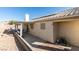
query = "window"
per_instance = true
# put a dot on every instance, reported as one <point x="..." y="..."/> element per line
<point x="42" y="25"/>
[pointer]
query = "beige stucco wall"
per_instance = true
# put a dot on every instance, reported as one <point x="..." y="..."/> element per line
<point x="55" y="30"/>
<point x="24" y="26"/>
<point x="46" y="34"/>
<point x="69" y="30"/>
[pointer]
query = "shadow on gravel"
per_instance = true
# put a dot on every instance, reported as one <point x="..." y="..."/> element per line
<point x="7" y="32"/>
<point x="19" y="46"/>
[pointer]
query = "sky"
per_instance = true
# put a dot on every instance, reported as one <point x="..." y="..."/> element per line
<point x="18" y="13"/>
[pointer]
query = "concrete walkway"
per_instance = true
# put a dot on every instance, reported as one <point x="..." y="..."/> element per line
<point x="42" y="45"/>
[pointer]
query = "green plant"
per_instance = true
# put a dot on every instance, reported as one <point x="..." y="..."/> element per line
<point x="12" y="22"/>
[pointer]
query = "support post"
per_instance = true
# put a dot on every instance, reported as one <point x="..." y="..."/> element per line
<point x="21" y="30"/>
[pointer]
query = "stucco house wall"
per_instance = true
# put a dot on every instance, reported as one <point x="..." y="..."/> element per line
<point x="55" y="30"/>
<point x="69" y="30"/>
<point x="24" y="26"/>
<point x="46" y="34"/>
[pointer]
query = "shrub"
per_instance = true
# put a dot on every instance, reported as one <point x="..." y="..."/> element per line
<point x="12" y="22"/>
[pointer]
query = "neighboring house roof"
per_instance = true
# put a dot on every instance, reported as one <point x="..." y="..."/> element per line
<point x="73" y="12"/>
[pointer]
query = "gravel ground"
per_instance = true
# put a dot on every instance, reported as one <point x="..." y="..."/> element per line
<point x="7" y="42"/>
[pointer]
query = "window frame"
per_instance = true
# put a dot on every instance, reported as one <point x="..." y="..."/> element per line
<point x="43" y="26"/>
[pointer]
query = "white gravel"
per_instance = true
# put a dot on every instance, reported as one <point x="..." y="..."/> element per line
<point x="7" y="42"/>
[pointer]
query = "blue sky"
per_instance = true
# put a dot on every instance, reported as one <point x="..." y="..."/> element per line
<point x="18" y="13"/>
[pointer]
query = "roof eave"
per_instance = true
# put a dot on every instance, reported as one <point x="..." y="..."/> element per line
<point x="56" y="19"/>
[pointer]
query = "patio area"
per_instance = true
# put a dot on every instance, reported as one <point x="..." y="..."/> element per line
<point x="38" y="44"/>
